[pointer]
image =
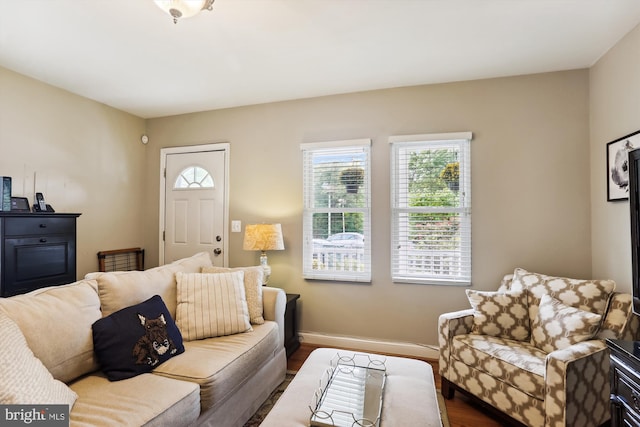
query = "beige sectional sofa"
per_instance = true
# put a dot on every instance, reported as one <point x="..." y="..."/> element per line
<point x="218" y="381"/>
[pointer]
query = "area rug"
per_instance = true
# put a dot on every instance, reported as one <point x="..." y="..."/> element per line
<point x="262" y="412"/>
<point x="443" y="410"/>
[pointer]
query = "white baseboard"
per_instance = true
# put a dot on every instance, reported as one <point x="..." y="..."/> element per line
<point x="369" y="345"/>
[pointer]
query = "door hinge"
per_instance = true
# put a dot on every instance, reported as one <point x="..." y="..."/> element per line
<point x="165" y="173"/>
<point x="163" y="239"/>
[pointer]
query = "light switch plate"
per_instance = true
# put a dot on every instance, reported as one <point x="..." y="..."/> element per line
<point x="236" y="226"/>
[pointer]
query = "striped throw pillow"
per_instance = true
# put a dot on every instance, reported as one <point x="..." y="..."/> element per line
<point x="211" y="305"/>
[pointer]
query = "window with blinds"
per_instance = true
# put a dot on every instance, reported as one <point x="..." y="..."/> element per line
<point x="431" y="208"/>
<point x="336" y="217"/>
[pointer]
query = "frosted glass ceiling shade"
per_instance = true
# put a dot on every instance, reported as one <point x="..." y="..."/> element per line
<point x="183" y="8"/>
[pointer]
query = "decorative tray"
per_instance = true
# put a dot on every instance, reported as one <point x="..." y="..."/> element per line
<point x="350" y="393"/>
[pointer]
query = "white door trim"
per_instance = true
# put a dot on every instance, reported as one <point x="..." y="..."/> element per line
<point x="220" y="146"/>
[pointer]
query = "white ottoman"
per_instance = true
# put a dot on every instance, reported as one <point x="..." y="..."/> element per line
<point x="409" y="395"/>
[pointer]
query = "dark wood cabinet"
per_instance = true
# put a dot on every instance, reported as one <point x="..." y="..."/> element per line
<point x="36" y="250"/>
<point x="625" y="382"/>
<point x="291" y="340"/>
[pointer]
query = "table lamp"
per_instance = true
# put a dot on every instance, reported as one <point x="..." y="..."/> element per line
<point x="263" y="237"/>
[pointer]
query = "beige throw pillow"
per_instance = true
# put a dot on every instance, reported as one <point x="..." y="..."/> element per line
<point x="253" y="278"/>
<point x="25" y="380"/>
<point x="500" y="314"/>
<point x="122" y="289"/>
<point x="211" y="305"/>
<point x="558" y="326"/>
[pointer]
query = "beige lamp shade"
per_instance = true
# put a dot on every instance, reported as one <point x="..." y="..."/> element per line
<point x="263" y="237"/>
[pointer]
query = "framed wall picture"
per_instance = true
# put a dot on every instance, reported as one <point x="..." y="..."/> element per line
<point x="618" y="166"/>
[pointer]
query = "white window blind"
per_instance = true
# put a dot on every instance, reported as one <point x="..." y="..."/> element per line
<point x="336" y="217"/>
<point x="344" y="399"/>
<point x="431" y="208"/>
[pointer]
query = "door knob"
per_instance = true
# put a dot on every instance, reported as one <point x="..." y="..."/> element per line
<point x="217" y="251"/>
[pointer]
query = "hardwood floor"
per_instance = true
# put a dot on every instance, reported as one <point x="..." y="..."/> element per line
<point x="461" y="412"/>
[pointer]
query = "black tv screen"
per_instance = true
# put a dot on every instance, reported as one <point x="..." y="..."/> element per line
<point x="634" y="207"/>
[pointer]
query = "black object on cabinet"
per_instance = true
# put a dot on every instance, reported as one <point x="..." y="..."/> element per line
<point x="36" y="250"/>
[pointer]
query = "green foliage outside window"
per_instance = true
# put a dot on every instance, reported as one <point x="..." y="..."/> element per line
<point x="434" y="181"/>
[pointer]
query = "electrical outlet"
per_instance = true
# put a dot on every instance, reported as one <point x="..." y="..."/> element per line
<point x="236" y="226"/>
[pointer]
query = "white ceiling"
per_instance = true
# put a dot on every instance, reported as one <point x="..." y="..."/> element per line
<point x="130" y="55"/>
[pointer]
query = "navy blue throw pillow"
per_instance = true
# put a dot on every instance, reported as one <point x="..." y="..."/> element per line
<point x="136" y="339"/>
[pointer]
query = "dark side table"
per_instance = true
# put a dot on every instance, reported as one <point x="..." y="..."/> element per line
<point x="291" y="340"/>
<point x="625" y="382"/>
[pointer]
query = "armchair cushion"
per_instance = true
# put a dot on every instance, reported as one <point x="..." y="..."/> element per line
<point x="518" y="364"/>
<point x="588" y="295"/>
<point x="619" y="321"/>
<point x="558" y="326"/>
<point x="500" y="314"/>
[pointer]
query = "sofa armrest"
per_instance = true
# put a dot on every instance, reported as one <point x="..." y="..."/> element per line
<point x="274" y="303"/>
<point x="450" y="325"/>
<point x="577" y="385"/>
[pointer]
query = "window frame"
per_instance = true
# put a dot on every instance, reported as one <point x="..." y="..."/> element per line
<point x="183" y="175"/>
<point x="309" y="209"/>
<point x="424" y="141"/>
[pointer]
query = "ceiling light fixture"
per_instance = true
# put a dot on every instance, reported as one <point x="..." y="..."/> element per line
<point x="183" y="8"/>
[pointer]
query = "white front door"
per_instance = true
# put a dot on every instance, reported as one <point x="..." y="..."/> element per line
<point x="194" y="203"/>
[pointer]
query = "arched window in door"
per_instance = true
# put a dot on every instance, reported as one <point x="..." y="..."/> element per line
<point x="193" y="177"/>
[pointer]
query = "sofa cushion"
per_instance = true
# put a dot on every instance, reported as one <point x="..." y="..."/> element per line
<point x="136" y="339"/>
<point x="121" y="289"/>
<point x="56" y="321"/>
<point x="500" y="314"/>
<point x="558" y="326"/>
<point x="220" y="365"/>
<point x="518" y="364"/>
<point x="253" y="283"/>
<point x="25" y="380"/>
<point x="144" y="400"/>
<point x="588" y="295"/>
<point x="211" y="305"/>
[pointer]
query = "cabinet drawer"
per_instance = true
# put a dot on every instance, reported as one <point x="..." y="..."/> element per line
<point x="38" y="226"/>
<point x="628" y="390"/>
<point x="35" y="262"/>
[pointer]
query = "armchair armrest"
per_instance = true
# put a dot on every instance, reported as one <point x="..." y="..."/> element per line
<point x="577" y="385"/>
<point x="450" y="325"/>
<point x="274" y="303"/>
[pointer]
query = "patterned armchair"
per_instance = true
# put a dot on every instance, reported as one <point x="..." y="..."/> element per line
<point x="535" y="350"/>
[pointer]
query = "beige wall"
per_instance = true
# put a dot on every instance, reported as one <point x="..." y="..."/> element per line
<point x="530" y="172"/>
<point x="615" y="112"/>
<point x="531" y="181"/>
<point x="84" y="156"/>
